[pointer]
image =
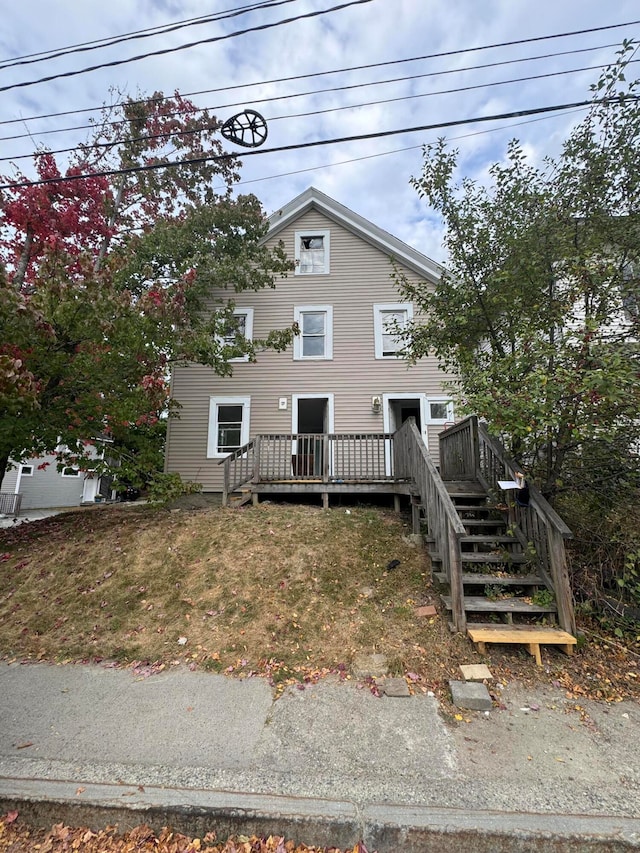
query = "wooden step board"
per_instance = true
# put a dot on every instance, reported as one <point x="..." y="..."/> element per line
<point x="480" y="557"/>
<point x="478" y="579"/>
<point x="530" y="636"/>
<point x="480" y="604"/>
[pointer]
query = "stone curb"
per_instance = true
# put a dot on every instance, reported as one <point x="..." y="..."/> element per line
<point x="383" y="828"/>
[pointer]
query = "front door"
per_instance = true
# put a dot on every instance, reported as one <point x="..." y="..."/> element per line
<point x="312" y="419"/>
<point x="397" y="408"/>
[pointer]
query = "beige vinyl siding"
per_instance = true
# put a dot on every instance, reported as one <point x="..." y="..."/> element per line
<point x="360" y="277"/>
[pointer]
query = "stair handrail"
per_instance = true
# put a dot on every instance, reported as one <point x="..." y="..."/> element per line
<point x="469" y="451"/>
<point x="412" y="461"/>
<point x="239" y="469"/>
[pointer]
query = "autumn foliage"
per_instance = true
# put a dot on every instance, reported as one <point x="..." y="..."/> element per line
<point x="105" y="267"/>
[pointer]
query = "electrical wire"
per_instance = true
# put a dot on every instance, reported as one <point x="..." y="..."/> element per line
<point x="167" y="50"/>
<point x="398" y="150"/>
<point x="218" y="107"/>
<point x="169" y="133"/>
<point x="441" y="55"/>
<point x="316" y="143"/>
<point x="149" y="32"/>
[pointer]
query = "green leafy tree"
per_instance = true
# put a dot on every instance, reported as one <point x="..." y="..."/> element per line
<point x="538" y="311"/>
<point x="105" y="281"/>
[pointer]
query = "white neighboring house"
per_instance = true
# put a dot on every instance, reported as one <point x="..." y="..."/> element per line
<point x="39" y="485"/>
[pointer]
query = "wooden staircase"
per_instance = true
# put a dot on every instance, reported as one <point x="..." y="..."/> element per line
<point x="498" y="578"/>
<point x="497" y="562"/>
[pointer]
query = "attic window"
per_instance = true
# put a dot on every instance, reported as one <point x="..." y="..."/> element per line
<point x="312" y="252"/>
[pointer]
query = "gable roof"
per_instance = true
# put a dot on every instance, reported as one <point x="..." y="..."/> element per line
<point x="313" y="199"/>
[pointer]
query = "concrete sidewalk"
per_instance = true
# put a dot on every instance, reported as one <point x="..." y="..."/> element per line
<point x="328" y="764"/>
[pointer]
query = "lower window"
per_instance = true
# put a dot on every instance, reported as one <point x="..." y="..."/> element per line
<point x="228" y="425"/>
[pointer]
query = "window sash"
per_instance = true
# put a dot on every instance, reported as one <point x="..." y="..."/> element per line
<point x="228" y="425"/>
<point x="392" y="344"/>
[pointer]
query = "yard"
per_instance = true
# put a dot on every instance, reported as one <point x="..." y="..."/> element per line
<point x="290" y="592"/>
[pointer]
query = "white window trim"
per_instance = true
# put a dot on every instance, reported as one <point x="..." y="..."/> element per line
<point x="212" y="437"/>
<point x="298" y="311"/>
<point x="378" y="310"/>
<point x="77" y="472"/>
<point x="448" y="419"/>
<point x="311" y="232"/>
<point x="24" y="473"/>
<point x="248" y="329"/>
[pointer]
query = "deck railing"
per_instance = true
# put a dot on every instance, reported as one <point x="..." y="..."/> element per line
<point x="445" y="528"/>
<point x="316" y="457"/>
<point x="10" y="503"/>
<point x="469" y="452"/>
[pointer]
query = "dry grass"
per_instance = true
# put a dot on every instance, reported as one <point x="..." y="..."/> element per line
<point x="291" y="591"/>
<point x="288" y="591"/>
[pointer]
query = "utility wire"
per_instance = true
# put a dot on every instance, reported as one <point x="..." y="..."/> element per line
<point x="98" y="44"/>
<point x="317" y="143"/>
<point x="397" y="150"/>
<point x="329" y="90"/>
<point x="447" y="53"/>
<point x="167" y="50"/>
<point x="170" y="133"/>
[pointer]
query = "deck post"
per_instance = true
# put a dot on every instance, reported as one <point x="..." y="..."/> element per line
<point x="325" y="500"/>
<point x="256" y="459"/>
<point x="225" y="486"/>
<point x="325" y="462"/>
<point x="415" y="516"/>
<point x="396" y="504"/>
<point x="560" y="576"/>
<point x="455" y="581"/>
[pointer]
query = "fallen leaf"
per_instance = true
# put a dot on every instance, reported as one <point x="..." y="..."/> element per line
<point x="182" y="641"/>
<point x="80" y="791"/>
<point x="24" y="745"/>
<point x="11" y="817"/>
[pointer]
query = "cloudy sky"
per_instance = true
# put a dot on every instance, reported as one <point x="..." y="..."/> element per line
<point x="371" y="176"/>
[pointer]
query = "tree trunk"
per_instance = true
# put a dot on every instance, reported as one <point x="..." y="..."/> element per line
<point x="23" y="263"/>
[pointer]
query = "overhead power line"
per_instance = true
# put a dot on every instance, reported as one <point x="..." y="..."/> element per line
<point x="317" y="143"/>
<point x="170" y="133"/>
<point x="445" y="72"/>
<point x="440" y="55"/>
<point x="149" y="32"/>
<point x="167" y="50"/>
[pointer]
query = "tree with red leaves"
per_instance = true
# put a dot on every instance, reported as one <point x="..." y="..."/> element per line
<point x="105" y="279"/>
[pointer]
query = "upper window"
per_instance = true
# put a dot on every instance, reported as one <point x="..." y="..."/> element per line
<point x="440" y="411"/>
<point x="26" y="470"/>
<point x="71" y="471"/>
<point x="242" y="326"/>
<point x="388" y="321"/>
<point x="228" y="425"/>
<point x="312" y="252"/>
<point x="315" y="337"/>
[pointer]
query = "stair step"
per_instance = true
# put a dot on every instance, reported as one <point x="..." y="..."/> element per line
<point x="478" y="579"/>
<point x="528" y="635"/>
<point x="476" y="557"/>
<point x="489" y="537"/>
<point x="484" y="522"/>
<point x="477" y="508"/>
<point x="480" y="604"/>
<point x="464" y="488"/>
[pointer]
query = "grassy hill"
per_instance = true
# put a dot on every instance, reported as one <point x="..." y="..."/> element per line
<point x="288" y="591"/>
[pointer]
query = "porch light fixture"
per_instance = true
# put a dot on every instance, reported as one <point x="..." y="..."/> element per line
<point x="376" y="405"/>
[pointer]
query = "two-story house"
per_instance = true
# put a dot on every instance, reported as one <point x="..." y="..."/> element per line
<point x="344" y="373"/>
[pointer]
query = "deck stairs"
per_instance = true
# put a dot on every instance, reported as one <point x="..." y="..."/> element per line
<point x="507" y="598"/>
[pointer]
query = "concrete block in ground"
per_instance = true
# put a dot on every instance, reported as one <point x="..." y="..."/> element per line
<point x="395" y="687"/>
<point x="426" y="610"/>
<point x="370" y="666"/>
<point x="475" y="671"/>
<point x="470" y="695"/>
